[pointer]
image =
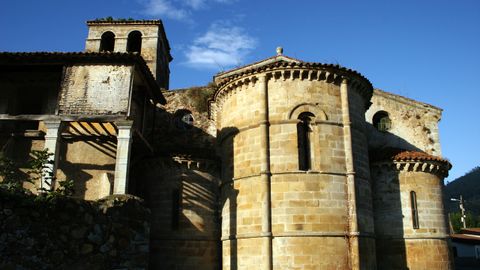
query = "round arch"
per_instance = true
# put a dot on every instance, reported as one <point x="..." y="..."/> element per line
<point x="134" y="41"/>
<point x="314" y="109"/>
<point x="107" y="42"/>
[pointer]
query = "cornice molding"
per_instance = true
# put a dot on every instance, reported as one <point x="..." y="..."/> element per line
<point x="439" y="168"/>
<point x="289" y="71"/>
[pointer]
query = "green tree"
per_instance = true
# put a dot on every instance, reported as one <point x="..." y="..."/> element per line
<point x="39" y="166"/>
<point x="471" y="221"/>
<point x="12" y="177"/>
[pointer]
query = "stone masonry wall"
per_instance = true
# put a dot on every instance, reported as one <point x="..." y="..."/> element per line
<point x="309" y="214"/>
<point x="153" y="49"/>
<point x="196" y="140"/>
<point x="363" y="191"/>
<point x="397" y="241"/>
<point x="96" y="89"/>
<point x="90" y="163"/>
<point x="65" y="233"/>
<point x="414" y="124"/>
<point x="182" y="194"/>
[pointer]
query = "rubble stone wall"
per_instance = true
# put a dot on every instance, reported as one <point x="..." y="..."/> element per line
<point x="65" y="233"/>
<point x="414" y="124"/>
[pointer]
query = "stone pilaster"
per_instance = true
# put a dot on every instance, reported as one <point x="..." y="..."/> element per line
<point x="265" y="175"/>
<point x="51" y="145"/>
<point x="352" y="211"/>
<point x="124" y="140"/>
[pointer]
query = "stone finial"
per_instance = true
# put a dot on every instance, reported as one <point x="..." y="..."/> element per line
<point x="279" y="50"/>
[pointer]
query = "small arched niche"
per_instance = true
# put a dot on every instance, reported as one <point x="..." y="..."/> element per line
<point x="107" y="43"/>
<point x="381" y="121"/>
<point x="134" y="42"/>
<point x="183" y="119"/>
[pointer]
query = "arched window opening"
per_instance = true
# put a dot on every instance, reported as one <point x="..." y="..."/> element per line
<point x="184" y="119"/>
<point x="107" y="44"/>
<point x="134" y="43"/>
<point x="381" y="121"/>
<point x="413" y="203"/>
<point x="303" y="140"/>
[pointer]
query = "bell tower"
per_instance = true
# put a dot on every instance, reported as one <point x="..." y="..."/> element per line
<point x="146" y="37"/>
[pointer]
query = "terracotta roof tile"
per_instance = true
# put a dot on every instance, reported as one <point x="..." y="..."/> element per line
<point x="396" y="154"/>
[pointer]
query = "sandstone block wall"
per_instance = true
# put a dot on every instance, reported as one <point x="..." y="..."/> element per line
<point x="182" y="194"/>
<point x="155" y="49"/>
<point x="309" y="209"/>
<point x="397" y="239"/>
<point x="90" y="163"/>
<point x="363" y="192"/>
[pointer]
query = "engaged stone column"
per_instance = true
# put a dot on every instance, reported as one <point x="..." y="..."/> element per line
<point x="352" y="209"/>
<point x="124" y="139"/>
<point x="51" y="145"/>
<point x="265" y="175"/>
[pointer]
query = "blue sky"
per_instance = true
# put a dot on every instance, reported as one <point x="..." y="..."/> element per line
<point x="428" y="50"/>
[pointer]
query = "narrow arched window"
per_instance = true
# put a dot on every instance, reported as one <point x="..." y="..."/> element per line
<point x="381" y="121"/>
<point x="134" y="42"/>
<point x="107" y="44"/>
<point x="413" y="204"/>
<point x="303" y="141"/>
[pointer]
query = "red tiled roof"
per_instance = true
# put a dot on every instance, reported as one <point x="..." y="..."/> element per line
<point x="466" y="238"/>
<point x="417" y="155"/>
<point x="42" y="57"/>
<point x="396" y="154"/>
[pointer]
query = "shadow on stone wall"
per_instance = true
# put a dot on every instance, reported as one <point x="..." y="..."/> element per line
<point x="390" y="243"/>
<point x="66" y="233"/>
<point x="180" y="183"/>
<point x="229" y="197"/>
<point x="17" y="140"/>
<point x="387" y="204"/>
<point x="79" y="171"/>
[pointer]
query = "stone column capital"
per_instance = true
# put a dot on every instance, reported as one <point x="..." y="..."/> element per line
<point x="124" y="124"/>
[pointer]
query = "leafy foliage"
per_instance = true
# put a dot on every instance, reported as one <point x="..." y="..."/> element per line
<point x="469" y="187"/>
<point x="111" y="19"/>
<point x="471" y="221"/>
<point x="199" y="96"/>
<point x="13" y="178"/>
<point x="39" y="166"/>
